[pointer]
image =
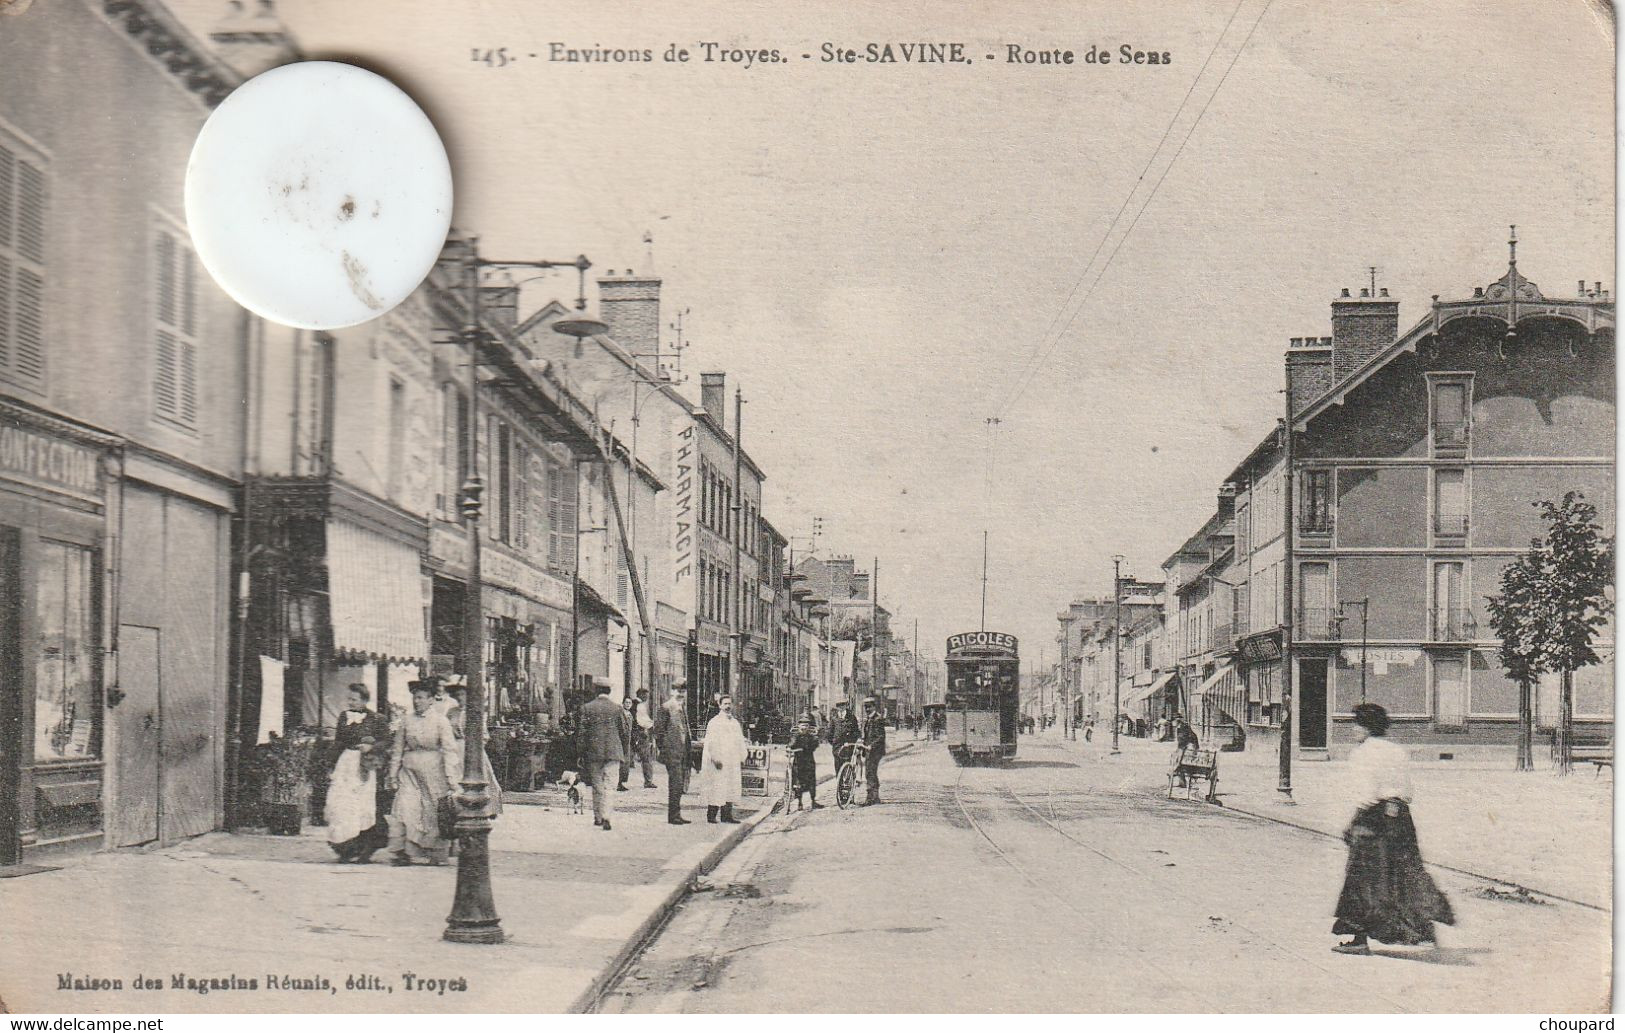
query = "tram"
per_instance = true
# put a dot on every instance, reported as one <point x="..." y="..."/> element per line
<point x="983" y="697"/>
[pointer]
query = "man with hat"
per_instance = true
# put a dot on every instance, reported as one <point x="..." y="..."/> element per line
<point x="603" y="747"/>
<point x="673" y="740"/>
<point x="841" y="732"/>
<point x="874" y="739"/>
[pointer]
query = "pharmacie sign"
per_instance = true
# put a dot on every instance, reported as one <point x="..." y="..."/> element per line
<point x="48" y="461"/>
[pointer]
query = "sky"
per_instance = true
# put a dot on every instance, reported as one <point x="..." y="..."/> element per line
<point x="876" y="253"/>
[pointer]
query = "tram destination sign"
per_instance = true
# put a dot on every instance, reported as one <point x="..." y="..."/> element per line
<point x="982" y="640"/>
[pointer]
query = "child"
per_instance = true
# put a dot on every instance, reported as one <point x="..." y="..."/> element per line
<point x="804" y="764"/>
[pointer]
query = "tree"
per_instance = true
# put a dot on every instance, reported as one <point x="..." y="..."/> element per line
<point x="1514" y="616"/>
<point x="1554" y="600"/>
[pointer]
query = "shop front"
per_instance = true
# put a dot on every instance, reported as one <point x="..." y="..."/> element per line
<point x="54" y="544"/>
<point x="337" y="596"/>
<point x="708" y="674"/>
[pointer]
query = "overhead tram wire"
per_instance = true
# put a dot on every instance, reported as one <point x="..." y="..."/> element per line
<point x="1100" y="246"/>
<point x="1027" y="380"/>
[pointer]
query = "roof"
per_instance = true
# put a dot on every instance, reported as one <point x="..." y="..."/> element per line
<point x="1500" y="301"/>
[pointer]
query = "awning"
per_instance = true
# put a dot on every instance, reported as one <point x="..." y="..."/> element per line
<point x="1145" y="692"/>
<point x="591" y="602"/>
<point x="375" y="595"/>
<point x="1217" y="683"/>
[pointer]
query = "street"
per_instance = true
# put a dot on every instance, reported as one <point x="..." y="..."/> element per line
<point x="1068" y="882"/>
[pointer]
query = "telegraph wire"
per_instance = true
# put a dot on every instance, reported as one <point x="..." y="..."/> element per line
<point x="1026" y="380"/>
<point x="1101" y="245"/>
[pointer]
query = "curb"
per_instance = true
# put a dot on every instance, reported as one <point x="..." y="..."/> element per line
<point x="594" y="991"/>
<point x="1499" y="880"/>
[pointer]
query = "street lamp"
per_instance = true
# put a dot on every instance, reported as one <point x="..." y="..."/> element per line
<point x="1365" y="612"/>
<point x="1117" y="650"/>
<point x="473" y="917"/>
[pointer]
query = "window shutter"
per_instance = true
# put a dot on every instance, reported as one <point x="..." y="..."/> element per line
<point x="555" y="493"/>
<point x="188" y="385"/>
<point x="30" y="212"/>
<point x="5" y="300"/>
<point x="165" y="377"/>
<point x="521" y="495"/>
<point x="188" y="293"/>
<point x="29" y="346"/>
<point x="164" y="262"/>
<point x="8" y="179"/>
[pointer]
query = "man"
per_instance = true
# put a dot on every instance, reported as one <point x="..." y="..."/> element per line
<point x="603" y="746"/>
<point x="1184" y="738"/>
<point x="842" y="733"/>
<point x="642" y="747"/>
<point x="720" y="781"/>
<point x="627" y="707"/>
<point x="874" y="738"/>
<point x="672" y="738"/>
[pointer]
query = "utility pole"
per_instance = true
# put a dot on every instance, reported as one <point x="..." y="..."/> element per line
<point x="874" y="632"/>
<point x="984" y="580"/>
<point x="1117" y="650"/>
<point x="735" y="640"/>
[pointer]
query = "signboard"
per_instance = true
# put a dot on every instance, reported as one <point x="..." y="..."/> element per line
<point x="753" y="772"/>
<point x="997" y="640"/>
<point x="50" y="462"/>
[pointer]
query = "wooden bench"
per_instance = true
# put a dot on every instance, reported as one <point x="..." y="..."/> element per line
<point x="1188" y="766"/>
<point x="1586" y="749"/>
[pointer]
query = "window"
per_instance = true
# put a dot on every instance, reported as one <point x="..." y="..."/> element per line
<point x="67" y="711"/>
<point x="175" y="355"/>
<point x="1317" y="502"/>
<point x="561" y="517"/>
<point x="1243" y="532"/>
<point x="1145" y="659"/>
<point x="521" y="494"/>
<point x="1314" y="601"/>
<point x="1450" y="503"/>
<point x="1451" y="412"/>
<point x="1452" y="621"/>
<point x="22" y="264"/>
<point x="455" y="447"/>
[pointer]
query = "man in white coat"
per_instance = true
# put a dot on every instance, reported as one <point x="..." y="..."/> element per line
<point x="720" y="761"/>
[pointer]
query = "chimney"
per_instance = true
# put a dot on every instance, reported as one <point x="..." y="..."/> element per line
<point x="1361" y="327"/>
<point x="630" y="305"/>
<point x="714" y="396"/>
<point x="1308" y="371"/>
<point x="860" y="585"/>
<point x="251" y="39"/>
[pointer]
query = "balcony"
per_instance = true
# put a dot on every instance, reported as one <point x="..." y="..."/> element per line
<point x="1224" y="636"/>
<point x="1451" y="438"/>
<point x="1317" y="624"/>
<point x="1320" y="523"/>
<point x="1453" y="526"/>
<point x="1453" y="625"/>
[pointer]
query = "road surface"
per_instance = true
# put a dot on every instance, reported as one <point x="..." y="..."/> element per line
<point x="1067" y="882"/>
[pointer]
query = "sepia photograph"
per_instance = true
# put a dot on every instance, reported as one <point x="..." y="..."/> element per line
<point x="477" y="480"/>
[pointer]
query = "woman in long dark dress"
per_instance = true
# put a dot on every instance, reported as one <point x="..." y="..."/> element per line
<point x="1387" y="895"/>
<point x="356" y="825"/>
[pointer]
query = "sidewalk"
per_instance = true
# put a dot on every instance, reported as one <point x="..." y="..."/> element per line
<point x="317" y="936"/>
<point x="1549" y="834"/>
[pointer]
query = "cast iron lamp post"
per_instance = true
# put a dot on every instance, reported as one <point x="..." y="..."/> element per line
<point x="473" y="917"/>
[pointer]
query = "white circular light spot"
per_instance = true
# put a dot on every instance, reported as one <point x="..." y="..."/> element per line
<point x="318" y="195"/>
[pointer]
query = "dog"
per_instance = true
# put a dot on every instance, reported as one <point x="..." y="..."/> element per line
<point x="572" y="791"/>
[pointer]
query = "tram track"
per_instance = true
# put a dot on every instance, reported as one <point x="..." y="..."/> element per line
<point x="1163" y="887"/>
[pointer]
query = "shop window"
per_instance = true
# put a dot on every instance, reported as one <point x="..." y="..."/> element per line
<point x="67" y="704"/>
<point x="175" y="350"/>
<point x="22" y="264"/>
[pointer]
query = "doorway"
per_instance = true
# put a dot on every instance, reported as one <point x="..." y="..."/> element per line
<point x="1312" y="704"/>
<point x="135" y="820"/>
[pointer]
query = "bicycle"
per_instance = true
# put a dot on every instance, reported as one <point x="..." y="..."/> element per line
<point x="851" y="773"/>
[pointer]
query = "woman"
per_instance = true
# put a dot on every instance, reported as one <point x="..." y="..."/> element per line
<point x="457" y="693"/>
<point x="356" y="825"/>
<point x="427" y="761"/>
<point x="804" y="763"/>
<point x="1387" y="895"/>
